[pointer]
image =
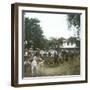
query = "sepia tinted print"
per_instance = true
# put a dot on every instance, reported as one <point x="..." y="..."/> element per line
<point x="51" y="43"/>
<point x="48" y="44"/>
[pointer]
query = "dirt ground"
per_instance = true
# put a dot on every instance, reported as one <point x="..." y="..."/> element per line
<point x="70" y="67"/>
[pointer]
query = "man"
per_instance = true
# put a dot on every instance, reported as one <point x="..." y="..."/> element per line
<point x="34" y="65"/>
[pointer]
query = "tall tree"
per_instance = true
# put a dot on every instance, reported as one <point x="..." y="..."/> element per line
<point x="74" y="20"/>
<point x="33" y="33"/>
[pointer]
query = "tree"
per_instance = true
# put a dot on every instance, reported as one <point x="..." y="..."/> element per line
<point x="33" y="33"/>
<point x="60" y="41"/>
<point x="75" y="40"/>
<point x="74" y="20"/>
<point x="53" y="43"/>
<point x="72" y="40"/>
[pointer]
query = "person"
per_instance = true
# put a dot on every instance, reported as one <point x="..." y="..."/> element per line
<point x="55" y="57"/>
<point x="34" y="65"/>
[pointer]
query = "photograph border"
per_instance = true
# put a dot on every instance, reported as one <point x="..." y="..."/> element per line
<point x="14" y="43"/>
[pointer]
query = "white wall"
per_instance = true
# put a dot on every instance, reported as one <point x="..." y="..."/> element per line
<point x="5" y="45"/>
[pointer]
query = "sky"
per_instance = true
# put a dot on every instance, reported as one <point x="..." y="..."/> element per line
<point x="53" y="25"/>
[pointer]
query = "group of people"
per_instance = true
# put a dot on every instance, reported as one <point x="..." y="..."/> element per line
<point x="33" y="63"/>
<point x="35" y="58"/>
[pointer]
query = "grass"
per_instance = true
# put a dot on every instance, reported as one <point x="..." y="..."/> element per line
<point x="70" y="67"/>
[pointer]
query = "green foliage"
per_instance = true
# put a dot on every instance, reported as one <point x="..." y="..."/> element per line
<point x="60" y="41"/>
<point x="52" y="42"/>
<point x="34" y="37"/>
<point x="73" y="40"/>
<point x="74" y="19"/>
<point x="33" y="33"/>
